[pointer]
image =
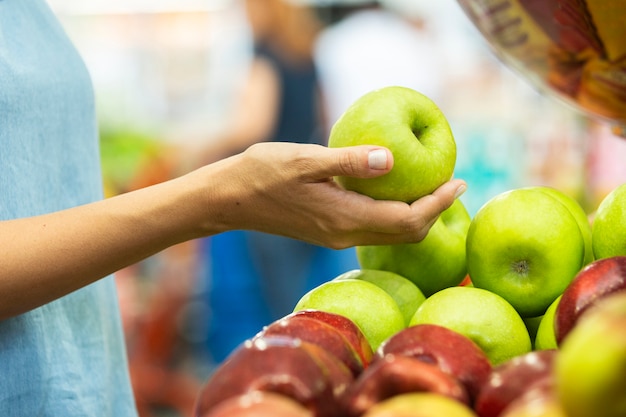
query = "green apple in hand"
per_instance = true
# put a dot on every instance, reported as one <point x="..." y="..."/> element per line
<point x="591" y="365"/>
<point x="415" y="131"/>
<point x="485" y="317"/>
<point x="525" y="246"/>
<point x="366" y="304"/>
<point x="437" y="262"/>
<point x="609" y="225"/>
<point x="405" y="293"/>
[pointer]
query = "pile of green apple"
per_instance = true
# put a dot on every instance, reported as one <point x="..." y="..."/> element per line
<point x="519" y="311"/>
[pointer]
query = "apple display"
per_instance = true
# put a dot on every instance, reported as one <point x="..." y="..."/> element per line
<point x="485" y="317"/>
<point x="300" y="370"/>
<point x="546" y="336"/>
<point x="450" y="351"/>
<point x="394" y="375"/>
<point x="579" y="214"/>
<point x="347" y="327"/>
<point x="525" y="246"/>
<point x="510" y="379"/>
<point x="591" y="365"/>
<point x="416" y="132"/>
<point x="405" y="293"/>
<point x="317" y="332"/>
<point x="259" y="404"/>
<point x="420" y="404"/>
<point x="367" y="305"/>
<point x="609" y="225"/>
<point x="595" y="281"/>
<point x="436" y="262"/>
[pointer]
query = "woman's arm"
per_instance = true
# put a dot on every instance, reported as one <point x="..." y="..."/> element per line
<point x="284" y="189"/>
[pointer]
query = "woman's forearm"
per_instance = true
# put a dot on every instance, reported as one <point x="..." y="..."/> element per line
<point x="48" y="256"/>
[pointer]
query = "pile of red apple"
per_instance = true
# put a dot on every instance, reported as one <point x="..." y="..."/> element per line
<point x="318" y="363"/>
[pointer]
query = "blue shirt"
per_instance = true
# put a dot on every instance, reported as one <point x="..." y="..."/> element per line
<point x="66" y="358"/>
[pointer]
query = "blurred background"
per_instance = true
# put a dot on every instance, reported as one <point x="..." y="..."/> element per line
<point x="180" y="83"/>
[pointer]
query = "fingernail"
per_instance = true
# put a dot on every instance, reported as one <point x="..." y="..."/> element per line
<point x="377" y="159"/>
<point x="459" y="191"/>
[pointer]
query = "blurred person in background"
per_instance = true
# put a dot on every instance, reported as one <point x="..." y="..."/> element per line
<point x="254" y="278"/>
<point x="62" y="347"/>
<point x="370" y="44"/>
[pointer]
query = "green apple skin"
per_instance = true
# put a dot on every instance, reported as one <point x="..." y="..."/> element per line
<point x="404" y="292"/>
<point x="485" y="317"/>
<point x="579" y="214"/>
<point x="525" y="246"/>
<point x="366" y="304"/>
<point x="435" y="263"/>
<point x="591" y="365"/>
<point x="546" y="338"/>
<point x="420" y="404"/>
<point x="609" y="225"/>
<point x="416" y="132"/>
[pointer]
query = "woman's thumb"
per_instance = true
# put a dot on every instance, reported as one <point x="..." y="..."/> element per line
<point x="362" y="161"/>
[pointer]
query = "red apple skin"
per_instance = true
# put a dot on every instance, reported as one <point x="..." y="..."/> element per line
<point x="451" y="351"/>
<point x="317" y="332"/>
<point x="396" y="374"/>
<point x="509" y="380"/>
<point x="595" y="281"/>
<point x="347" y="327"/>
<point x="297" y="369"/>
<point x="466" y="281"/>
<point x="538" y="399"/>
<point x="259" y="404"/>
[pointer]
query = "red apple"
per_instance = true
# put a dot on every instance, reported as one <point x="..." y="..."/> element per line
<point x="540" y="399"/>
<point x="347" y="327"/>
<point x="301" y="370"/>
<point x="396" y="374"/>
<point x="451" y="351"/>
<point x="511" y="379"/>
<point x="595" y="281"/>
<point x="318" y="332"/>
<point x="259" y="404"/>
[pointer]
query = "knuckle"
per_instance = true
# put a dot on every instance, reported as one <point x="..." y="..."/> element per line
<point x="416" y="227"/>
<point x="349" y="163"/>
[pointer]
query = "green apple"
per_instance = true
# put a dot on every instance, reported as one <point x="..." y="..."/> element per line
<point x="609" y="225"/>
<point x="525" y="246"/>
<point x="437" y="262"/>
<point x="579" y="214"/>
<point x="420" y="404"/>
<point x="485" y="317"/>
<point x="591" y="365"/>
<point x="413" y="128"/>
<point x="546" y="338"/>
<point x="405" y="293"/>
<point x="366" y="304"/>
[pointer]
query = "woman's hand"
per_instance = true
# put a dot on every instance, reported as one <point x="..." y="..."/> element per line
<point x="288" y="189"/>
